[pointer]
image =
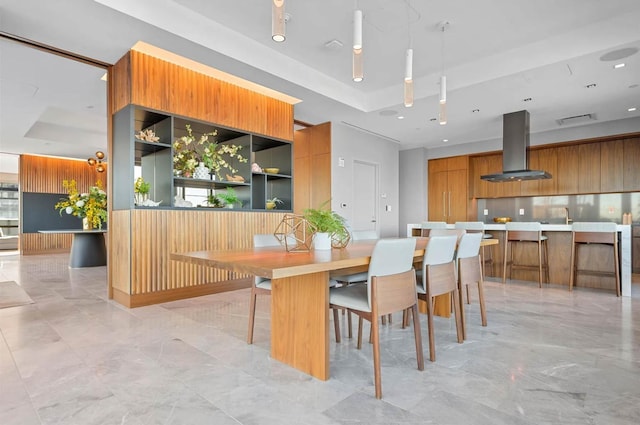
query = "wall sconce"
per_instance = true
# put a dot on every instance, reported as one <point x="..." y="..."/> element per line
<point x="97" y="162"/>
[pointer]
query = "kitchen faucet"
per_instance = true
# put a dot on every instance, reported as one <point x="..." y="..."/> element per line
<point x="567" y="220"/>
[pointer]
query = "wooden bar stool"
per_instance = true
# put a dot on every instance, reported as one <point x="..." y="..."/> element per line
<point x="594" y="233"/>
<point x="527" y="232"/>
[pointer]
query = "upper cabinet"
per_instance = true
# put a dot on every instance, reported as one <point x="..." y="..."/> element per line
<point x="490" y="164"/>
<point x="631" y="177"/>
<point x="611" y="173"/>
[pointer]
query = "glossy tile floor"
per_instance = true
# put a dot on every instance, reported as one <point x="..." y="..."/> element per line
<point x="73" y="357"/>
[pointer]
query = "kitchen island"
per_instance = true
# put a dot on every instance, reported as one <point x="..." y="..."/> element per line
<point x="560" y="256"/>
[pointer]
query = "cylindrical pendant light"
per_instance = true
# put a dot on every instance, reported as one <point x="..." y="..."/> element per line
<point x="277" y="21"/>
<point x="443" y="89"/>
<point x="358" y="60"/>
<point x="408" y="79"/>
<point x="358" y="65"/>
<point x="357" y="30"/>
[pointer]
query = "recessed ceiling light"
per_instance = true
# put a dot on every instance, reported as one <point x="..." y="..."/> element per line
<point x="527" y="99"/>
<point x="590" y="86"/>
<point x="445" y="140"/>
<point x="618" y="65"/>
<point x="400" y="117"/>
<point x="631" y="109"/>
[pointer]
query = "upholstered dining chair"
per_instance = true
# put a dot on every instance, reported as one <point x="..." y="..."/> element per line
<point x="348" y="279"/>
<point x="390" y="288"/>
<point x="469" y="273"/>
<point x="487" y="256"/>
<point x="427" y="226"/>
<point x="447" y="232"/>
<point x="438" y="277"/>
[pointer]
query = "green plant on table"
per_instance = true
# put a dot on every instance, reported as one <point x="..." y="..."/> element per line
<point x="324" y="220"/>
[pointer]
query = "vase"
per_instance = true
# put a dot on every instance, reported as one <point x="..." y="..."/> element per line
<point x="86" y="224"/>
<point x="140" y="198"/>
<point x="271" y="205"/>
<point x="201" y="172"/>
<point x="322" y="241"/>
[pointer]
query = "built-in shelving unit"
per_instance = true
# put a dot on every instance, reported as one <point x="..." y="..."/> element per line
<point x="155" y="158"/>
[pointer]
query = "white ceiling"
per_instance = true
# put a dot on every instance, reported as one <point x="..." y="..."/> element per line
<point x="496" y="53"/>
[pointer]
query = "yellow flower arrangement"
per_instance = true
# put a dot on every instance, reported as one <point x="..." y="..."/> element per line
<point x="91" y="205"/>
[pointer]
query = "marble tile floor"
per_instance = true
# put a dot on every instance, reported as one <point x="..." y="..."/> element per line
<point x="74" y="357"/>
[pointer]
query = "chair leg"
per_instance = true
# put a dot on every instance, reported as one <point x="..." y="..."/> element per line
<point x="546" y="259"/>
<point x="432" y="343"/>
<point x="455" y="299"/>
<point x="460" y="301"/>
<point x="483" y="311"/>
<point x="616" y="268"/>
<point x="405" y="318"/>
<point x="349" y="324"/>
<point x="359" y="345"/>
<point x="375" y="328"/>
<point x="572" y="270"/>
<point x="504" y="259"/>
<point x="468" y="299"/>
<point x="418" y="336"/>
<point x="252" y="316"/>
<point x="336" y="324"/>
<point x="539" y="264"/>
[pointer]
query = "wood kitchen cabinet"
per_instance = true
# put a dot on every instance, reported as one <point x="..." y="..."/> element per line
<point x="448" y="189"/>
<point x="567" y="176"/>
<point x="611" y="173"/>
<point x="589" y="168"/>
<point x="631" y="177"/>
<point x="542" y="159"/>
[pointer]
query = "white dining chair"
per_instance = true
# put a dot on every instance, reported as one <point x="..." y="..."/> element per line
<point x="487" y="255"/>
<point x="427" y="226"/>
<point x="470" y="272"/>
<point x="438" y="277"/>
<point x="390" y="288"/>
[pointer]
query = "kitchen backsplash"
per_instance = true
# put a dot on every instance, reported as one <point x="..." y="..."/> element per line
<point x="552" y="209"/>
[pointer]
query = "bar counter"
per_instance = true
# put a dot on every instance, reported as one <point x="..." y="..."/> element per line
<point x="559" y="240"/>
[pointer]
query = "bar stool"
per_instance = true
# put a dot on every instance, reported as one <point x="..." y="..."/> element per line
<point x="478" y="226"/>
<point x="427" y="226"/>
<point x="594" y="233"/>
<point x="527" y="232"/>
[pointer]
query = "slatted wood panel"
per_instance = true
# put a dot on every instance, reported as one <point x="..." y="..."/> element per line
<point x="120" y="250"/>
<point x="44" y="174"/>
<point x="155" y="234"/>
<point x="39" y="243"/>
<point x="120" y="84"/>
<point x="164" y="86"/>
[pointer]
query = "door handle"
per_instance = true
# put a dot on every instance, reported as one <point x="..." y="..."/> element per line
<point x="444" y="205"/>
<point x="449" y="203"/>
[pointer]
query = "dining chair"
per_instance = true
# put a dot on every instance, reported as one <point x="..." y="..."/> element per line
<point x="438" y="277"/>
<point x="427" y="226"/>
<point x="390" y="287"/>
<point x="470" y="272"/>
<point x="361" y="277"/>
<point x="447" y="232"/>
<point x="487" y="256"/>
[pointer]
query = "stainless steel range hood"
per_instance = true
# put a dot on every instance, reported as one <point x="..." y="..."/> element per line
<point x="515" y="142"/>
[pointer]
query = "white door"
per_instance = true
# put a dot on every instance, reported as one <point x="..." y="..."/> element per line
<point x="365" y="208"/>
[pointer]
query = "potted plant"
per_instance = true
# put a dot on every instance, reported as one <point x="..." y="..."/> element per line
<point x="324" y="223"/>
<point x="272" y="203"/>
<point x="141" y="190"/>
<point x="229" y="197"/>
<point x="214" y="201"/>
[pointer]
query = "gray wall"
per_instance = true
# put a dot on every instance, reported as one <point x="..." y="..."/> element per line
<point x="354" y="145"/>
<point x="413" y="189"/>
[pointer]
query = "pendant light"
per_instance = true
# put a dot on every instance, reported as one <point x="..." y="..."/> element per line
<point x="277" y="21"/>
<point x="442" y="115"/>
<point x="97" y="162"/>
<point x="408" y="79"/>
<point x="408" y="67"/>
<point x="358" y="60"/>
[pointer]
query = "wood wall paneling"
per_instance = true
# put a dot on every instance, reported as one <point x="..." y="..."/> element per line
<point x="167" y="87"/>
<point x="312" y="167"/>
<point x="568" y="165"/>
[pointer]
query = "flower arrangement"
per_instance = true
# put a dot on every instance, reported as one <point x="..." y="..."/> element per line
<point x="91" y="205"/>
<point x="189" y="151"/>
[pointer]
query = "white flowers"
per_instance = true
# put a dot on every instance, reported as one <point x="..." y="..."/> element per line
<point x="80" y="204"/>
<point x="69" y="210"/>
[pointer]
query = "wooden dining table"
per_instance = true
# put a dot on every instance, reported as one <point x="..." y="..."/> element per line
<point x="299" y="294"/>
